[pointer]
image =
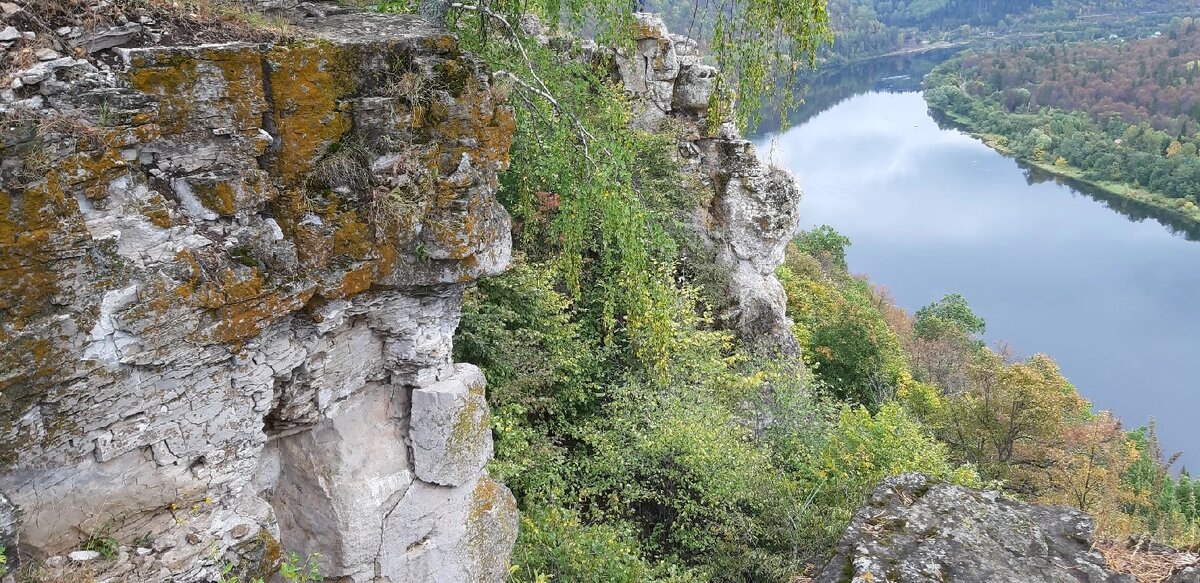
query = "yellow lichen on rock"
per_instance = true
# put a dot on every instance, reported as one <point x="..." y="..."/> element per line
<point x="307" y="84"/>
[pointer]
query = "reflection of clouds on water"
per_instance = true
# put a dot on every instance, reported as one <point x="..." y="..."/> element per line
<point x="932" y="211"/>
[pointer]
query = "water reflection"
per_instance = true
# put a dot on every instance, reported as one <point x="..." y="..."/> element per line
<point x="1134" y="210"/>
<point x="819" y="92"/>
<point x="931" y="210"/>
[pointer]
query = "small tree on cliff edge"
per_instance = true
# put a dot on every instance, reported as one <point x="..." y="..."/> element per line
<point x="758" y="45"/>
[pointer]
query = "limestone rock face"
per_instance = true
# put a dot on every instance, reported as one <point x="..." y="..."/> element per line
<point x="230" y="275"/>
<point x="650" y="71"/>
<point x="913" y="531"/>
<point x="449" y="428"/>
<point x="754" y="209"/>
<point x="748" y="223"/>
<point x="655" y="71"/>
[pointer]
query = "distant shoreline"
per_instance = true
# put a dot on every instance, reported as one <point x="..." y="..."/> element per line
<point x="1120" y="190"/>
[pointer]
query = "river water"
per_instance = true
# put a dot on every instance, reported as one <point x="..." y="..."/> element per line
<point x="1106" y="291"/>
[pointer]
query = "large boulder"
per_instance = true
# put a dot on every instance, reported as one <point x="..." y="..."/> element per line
<point x="913" y="530"/>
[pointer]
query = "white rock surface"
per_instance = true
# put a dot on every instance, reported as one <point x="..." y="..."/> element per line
<point x="450" y="432"/>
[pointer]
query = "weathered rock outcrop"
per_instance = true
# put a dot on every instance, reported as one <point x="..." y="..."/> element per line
<point x="754" y="210"/>
<point x="229" y="279"/>
<point x="913" y="531"/>
<point x="1186" y="575"/>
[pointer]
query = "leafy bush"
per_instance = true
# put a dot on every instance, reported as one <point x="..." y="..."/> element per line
<point x="845" y="337"/>
<point x="949" y="315"/>
<point x="543" y="373"/>
<point x="555" y="545"/>
<point x="824" y="244"/>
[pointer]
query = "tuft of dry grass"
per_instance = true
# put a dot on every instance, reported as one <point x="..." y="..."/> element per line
<point x="1147" y="563"/>
<point x="346" y="165"/>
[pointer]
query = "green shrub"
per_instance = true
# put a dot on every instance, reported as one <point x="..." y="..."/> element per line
<point x="102" y="542"/>
<point x="297" y="569"/>
<point x="839" y="322"/>
<point x="555" y="545"/>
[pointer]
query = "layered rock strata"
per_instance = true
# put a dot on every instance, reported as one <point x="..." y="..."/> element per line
<point x="229" y="279"/>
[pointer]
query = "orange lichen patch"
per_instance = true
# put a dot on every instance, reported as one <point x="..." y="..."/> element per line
<point x="486" y="496"/>
<point x="443" y="43"/>
<point x="172" y="79"/>
<point x="237" y="323"/>
<point x="386" y="262"/>
<point x="474" y="119"/>
<point x="289" y="207"/>
<point x="36" y="228"/>
<point x="490" y="504"/>
<point x="313" y="245"/>
<point x="343" y="236"/>
<point x="42" y="242"/>
<point x="229" y="193"/>
<point x="30" y="365"/>
<point x="241" y="69"/>
<point x="352" y="238"/>
<point x="92" y="170"/>
<point x="229" y="287"/>
<point x="307" y="82"/>
<point x="242" y="302"/>
<point x="643" y="30"/>
<point x="219" y="196"/>
<point x="156" y="299"/>
<point x="159" y="216"/>
<point x="356" y="281"/>
<point x="497" y="137"/>
<point x="467" y="266"/>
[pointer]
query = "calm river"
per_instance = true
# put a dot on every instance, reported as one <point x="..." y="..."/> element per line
<point x="1109" y="294"/>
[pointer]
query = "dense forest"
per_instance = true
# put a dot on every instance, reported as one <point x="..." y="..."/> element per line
<point x="1121" y="115"/>
<point x="868" y="28"/>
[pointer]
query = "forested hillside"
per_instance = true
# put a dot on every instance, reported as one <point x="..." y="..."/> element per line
<point x="1121" y="115"/>
<point x="1153" y="80"/>
<point x="866" y="28"/>
<point x="650" y="424"/>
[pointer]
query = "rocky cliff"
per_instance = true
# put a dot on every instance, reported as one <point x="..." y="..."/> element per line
<point x="229" y="278"/>
<point x="754" y="208"/>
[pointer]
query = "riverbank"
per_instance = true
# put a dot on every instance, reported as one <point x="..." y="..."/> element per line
<point x="1177" y="208"/>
